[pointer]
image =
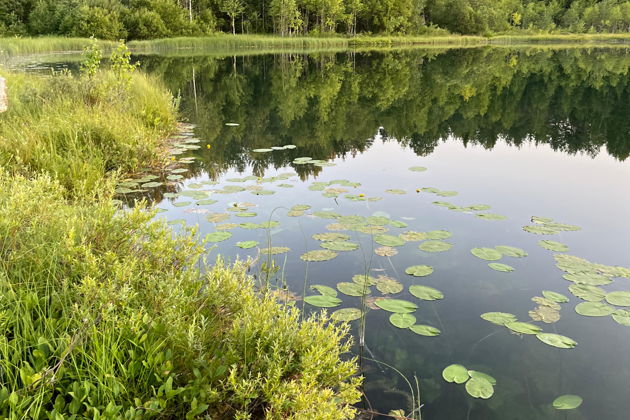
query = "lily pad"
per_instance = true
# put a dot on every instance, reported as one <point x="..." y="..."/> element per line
<point x="389" y="240"/>
<point x="587" y="292"/>
<point x="553" y="246"/>
<point x="387" y="285"/>
<point x="435" y="246"/>
<point x="555" y="296"/>
<point x="247" y="244"/>
<point x="425" y="330"/>
<point x="182" y="204"/>
<point x="455" y="373"/>
<point x="418" y="169"/>
<point x="318" y="255"/>
<point x="346" y="314"/>
<point x="218" y="236"/>
<point x="331" y="236"/>
<point x="340" y="245"/>
<point x="425" y="292"/>
<point x="174" y="177"/>
<point x="386" y="251"/>
<point x="545" y="314"/>
<point x="622" y="316"/>
<point x="413" y="236"/>
<point x="618" y="298"/>
<point x="477" y="374"/>
<point x="205" y="202"/>
<point x="152" y="184"/>
<point x="275" y="250"/>
<point x="419" y="270"/>
<point x="396" y="191"/>
<point x="567" y="402"/>
<point x="363" y="279"/>
<point x="591" y="278"/>
<point x="396" y="305"/>
<point x="438" y="234"/>
<point x="488" y="254"/>
<point x="490" y="216"/>
<point x="322" y="301"/>
<point x="479" y="388"/>
<point x="540" y="230"/>
<point x="402" y="320"/>
<point x="504" y="268"/>
<point x="594" y="309"/>
<point x="324" y="290"/>
<point x="523" y="327"/>
<point x="246" y="214"/>
<point x="557" y="340"/>
<point x="353" y="289"/>
<point x="499" y="318"/>
<point x="511" y="251"/>
<point x="217" y="217"/>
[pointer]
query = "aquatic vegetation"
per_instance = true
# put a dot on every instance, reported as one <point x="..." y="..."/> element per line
<point x="478" y="384"/>
<point x="594" y="309"/>
<point x="419" y="270"/>
<point x="556" y="340"/>
<point x="489" y="254"/>
<point x="318" y="255"/>
<point x="553" y="246"/>
<point x="396" y="305"/>
<point x="499" y="318"/>
<point x="567" y="402"/>
<point x="504" y="268"/>
<point x="435" y="246"/>
<point x="425" y="292"/>
<point x="346" y="314"/>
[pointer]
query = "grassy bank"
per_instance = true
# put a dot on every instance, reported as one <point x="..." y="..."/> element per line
<point x="15" y="45"/>
<point x="104" y="313"/>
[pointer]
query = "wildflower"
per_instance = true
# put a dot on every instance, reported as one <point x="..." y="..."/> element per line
<point x="361" y="195"/>
<point x="418" y="190"/>
<point x="208" y="146"/>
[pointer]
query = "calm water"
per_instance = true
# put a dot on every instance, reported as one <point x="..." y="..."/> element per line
<point x="527" y="132"/>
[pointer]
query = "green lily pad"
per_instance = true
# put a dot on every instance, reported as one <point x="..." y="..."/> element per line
<point x="205" y="202"/>
<point x="396" y="305"/>
<point x="386" y="251"/>
<point x="490" y="216"/>
<point x="557" y="340"/>
<point x="621" y="298"/>
<point x="488" y="254"/>
<point x="435" y="246"/>
<point x="346" y="314"/>
<point x="218" y="236"/>
<point x="477" y="374"/>
<point x="417" y="169"/>
<point x="425" y="330"/>
<point x="398" y="224"/>
<point x="182" y="204"/>
<point x="419" y="270"/>
<point x="364" y="280"/>
<point x="174" y="177"/>
<point x="275" y="250"/>
<point x="331" y="236"/>
<point x="540" y="230"/>
<point x="262" y="150"/>
<point x="247" y="244"/>
<point x="322" y="301"/>
<point x="447" y="193"/>
<point x="217" y="217"/>
<point x="511" y="251"/>
<point x="545" y="314"/>
<point x="340" y="245"/>
<point x="353" y="289"/>
<point x="477" y="207"/>
<point x="567" y="402"/>
<point x="152" y="184"/>
<point x="324" y="290"/>
<point x="499" y="318"/>
<point x="396" y="191"/>
<point x="425" y="292"/>
<point x="592" y="279"/>
<point x="523" y="327"/>
<point x="455" y="373"/>
<point x="179" y="171"/>
<point x="622" y="316"/>
<point x="587" y="292"/>
<point x="318" y="255"/>
<point x="438" y="234"/>
<point x="402" y="320"/>
<point x="594" y="309"/>
<point x="387" y="285"/>
<point x="413" y="236"/>
<point x="504" y="268"/>
<point x="246" y="214"/>
<point x="479" y="388"/>
<point x="389" y="240"/>
<point x="553" y="246"/>
<point x="555" y="296"/>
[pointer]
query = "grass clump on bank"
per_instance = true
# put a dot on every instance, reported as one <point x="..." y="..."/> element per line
<point x="26" y="45"/>
<point x="83" y="130"/>
<point x="104" y="313"/>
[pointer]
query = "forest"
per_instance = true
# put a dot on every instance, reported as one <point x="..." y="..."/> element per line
<point x="151" y="19"/>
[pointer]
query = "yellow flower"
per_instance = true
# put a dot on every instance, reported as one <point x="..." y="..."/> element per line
<point x="361" y="195"/>
<point x="418" y="190"/>
<point x="208" y="146"/>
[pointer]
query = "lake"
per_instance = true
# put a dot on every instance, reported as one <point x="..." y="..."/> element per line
<point x="285" y="147"/>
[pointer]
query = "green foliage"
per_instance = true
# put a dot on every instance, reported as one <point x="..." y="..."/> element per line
<point x="92" y="56"/>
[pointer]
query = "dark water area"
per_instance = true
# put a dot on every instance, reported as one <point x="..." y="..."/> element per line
<point x="529" y="132"/>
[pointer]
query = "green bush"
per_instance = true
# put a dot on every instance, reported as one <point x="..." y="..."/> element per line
<point x="104" y="314"/>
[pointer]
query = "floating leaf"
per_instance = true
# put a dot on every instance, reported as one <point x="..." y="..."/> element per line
<point x="419" y="270"/>
<point x="182" y="204"/>
<point x="262" y="150"/>
<point x="353" y="289"/>
<point x="540" y="230"/>
<point x="217" y="217"/>
<point x="388" y="285"/>
<point x="556" y="340"/>
<point x="386" y="251"/>
<point x="412" y="236"/>
<point x="511" y="251"/>
<point x="218" y="236"/>
<point x="553" y="246"/>
<point x="587" y="292"/>
<point x="346" y="314"/>
<point x="426" y="330"/>
<point x="398" y="224"/>
<point x="396" y="191"/>
<point x="523" y="327"/>
<point x="488" y="254"/>
<point x="396" y="305"/>
<point x="594" y="309"/>
<point x="499" y="318"/>
<point x="435" y="246"/>
<point x="205" y="202"/>
<point x="567" y="402"/>
<point x="364" y="279"/>
<point x="402" y="320"/>
<point x="545" y="314"/>
<point x="556" y="297"/>
<point x="490" y="216"/>
<point x="318" y="255"/>
<point x="340" y="245"/>
<point x="324" y="290"/>
<point x="479" y="388"/>
<point x="389" y="240"/>
<point x="174" y="177"/>
<point x="438" y="234"/>
<point x="322" y="301"/>
<point x="455" y="373"/>
<point x="447" y="193"/>
<point x="247" y="244"/>
<point x="417" y="169"/>
<point x="618" y="298"/>
<point x="331" y="236"/>
<point x="501" y="267"/>
<point x="275" y="250"/>
<point x="477" y="207"/>
<point x="546" y="302"/>
<point x="246" y="214"/>
<point x="425" y="292"/>
<point x="622" y="317"/>
<point x="477" y="374"/>
<point x="152" y="184"/>
<point x="592" y="279"/>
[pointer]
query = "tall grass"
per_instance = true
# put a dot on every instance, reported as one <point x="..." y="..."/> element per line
<point x="83" y="131"/>
<point x="19" y="45"/>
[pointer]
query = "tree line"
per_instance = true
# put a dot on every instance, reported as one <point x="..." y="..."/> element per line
<point x="147" y="19"/>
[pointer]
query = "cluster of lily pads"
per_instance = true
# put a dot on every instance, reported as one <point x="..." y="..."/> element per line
<point x="478" y="384"/>
<point x="547" y="226"/>
<point x="274" y="148"/>
<point x="498" y="252"/>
